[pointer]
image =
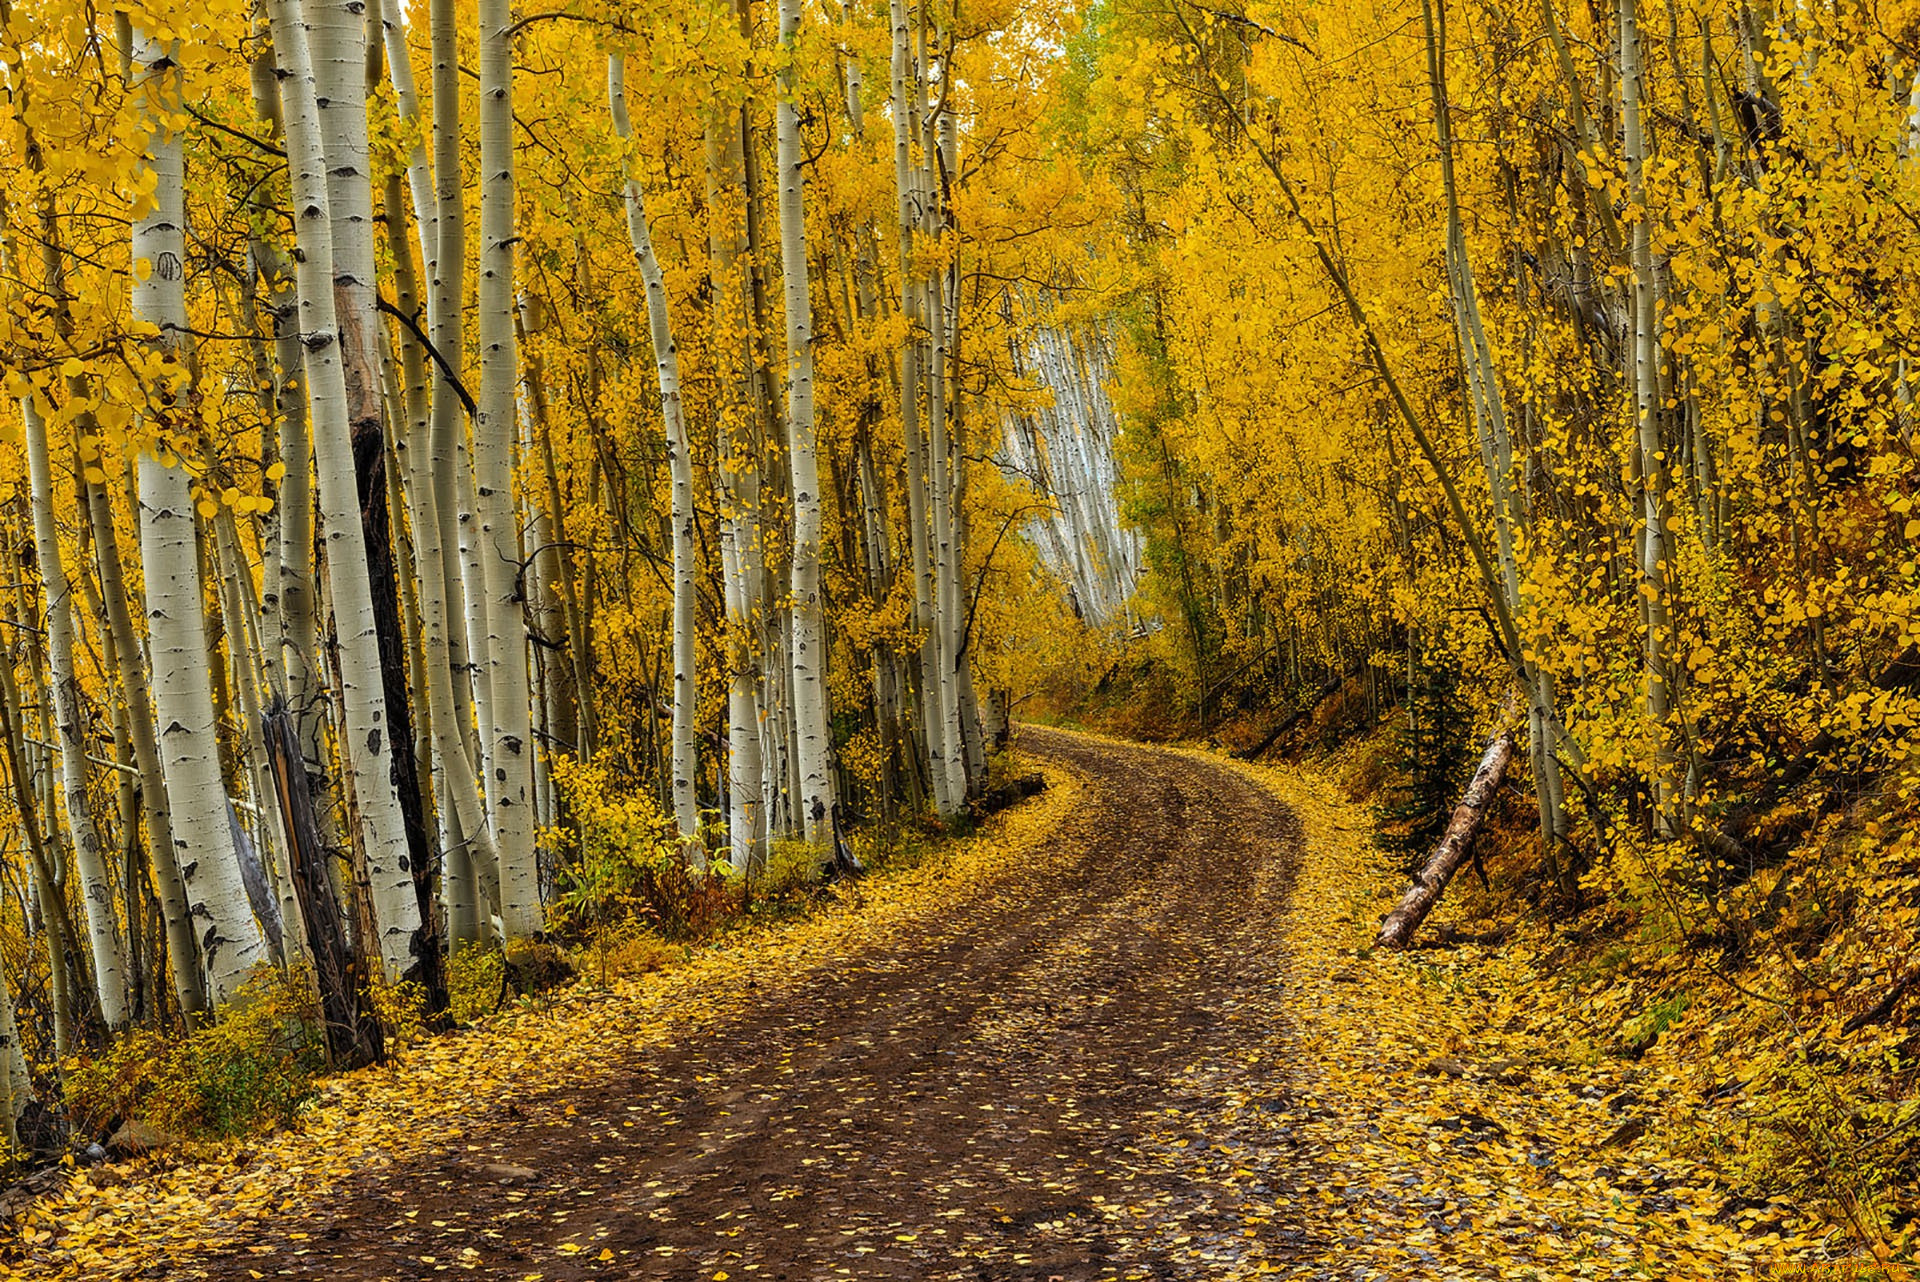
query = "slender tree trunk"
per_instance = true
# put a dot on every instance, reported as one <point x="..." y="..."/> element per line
<point x="738" y="473"/>
<point x="818" y="808"/>
<point x="96" y="885"/>
<point x="1652" y="541"/>
<point x="510" y="763"/>
<point x="1452" y="849"/>
<point x="56" y="925"/>
<point x="369" y="741"/>
<point x="686" y="805"/>
<point x="183" y="954"/>
<point x="1496" y="445"/>
<point x="229" y="942"/>
<point x="16" y="1085"/>
<point x="905" y="82"/>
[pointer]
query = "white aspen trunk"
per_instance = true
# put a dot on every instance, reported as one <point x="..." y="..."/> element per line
<point x="466" y="842"/>
<point x="16" y="1084"/>
<point x="510" y="763"/>
<point x="292" y="652"/>
<point x="406" y="97"/>
<point x="183" y="959"/>
<point x="452" y="480"/>
<point x="229" y="943"/>
<point x="279" y="913"/>
<point x="946" y="624"/>
<point x="1646" y="360"/>
<point x="932" y="724"/>
<point x="815" y="778"/>
<point x="685" y="762"/>
<point x="1496" y="445"/>
<point x="946" y="553"/>
<point x="96" y="886"/>
<point x="367" y="745"/>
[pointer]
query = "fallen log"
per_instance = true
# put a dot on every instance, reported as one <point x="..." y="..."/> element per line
<point x="1452" y="849"/>
<point x="1000" y="797"/>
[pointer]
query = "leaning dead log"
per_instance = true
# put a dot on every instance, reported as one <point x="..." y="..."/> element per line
<point x="1003" y="795"/>
<point x="1453" y="848"/>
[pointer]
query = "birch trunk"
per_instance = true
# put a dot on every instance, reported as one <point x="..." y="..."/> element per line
<point x="510" y="763"/>
<point x="367" y="743"/>
<point x="685" y="763"/>
<point x="818" y="808"/>
<point x="464" y="838"/>
<point x="16" y="1085"/>
<point x="1452" y="849"/>
<point x="470" y="877"/>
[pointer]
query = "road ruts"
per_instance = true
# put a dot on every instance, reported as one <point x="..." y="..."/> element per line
<point x="990" y="1101"/>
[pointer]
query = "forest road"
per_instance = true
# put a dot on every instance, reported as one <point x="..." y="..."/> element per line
<point x="1011" y="1095"/>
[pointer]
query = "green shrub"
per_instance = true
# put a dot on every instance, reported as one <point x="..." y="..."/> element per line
<point x="248" y="1073"/>
<point x="476" y="975"/>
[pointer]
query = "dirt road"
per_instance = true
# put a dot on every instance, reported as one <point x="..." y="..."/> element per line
<point x="1010" y="1096"/>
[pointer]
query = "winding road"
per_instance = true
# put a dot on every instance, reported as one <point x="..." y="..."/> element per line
<point x="1008" y="1096"/>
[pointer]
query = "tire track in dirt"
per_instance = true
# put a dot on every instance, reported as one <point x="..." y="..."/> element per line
<point x="988" y="1101"/>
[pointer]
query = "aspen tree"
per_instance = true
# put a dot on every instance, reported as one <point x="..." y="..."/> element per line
<point x="16" y="1084"/>
<point x="56" y="924"/>
<point x="466" y="839"/>
<point x="1652" y="536"/>
<point x="134" y="713"/>
<point x="686" y="805"/>
<point x="366" y="740"/>
<point x="1486" y="399"/>
<point x="229" y="944"/>
<point x="933" y="724"/>
<point x="508" y="693"/>
<point x="292" y="651"/>
<point x="96" y="886"/>
<point x="809" y="659"/>
<point x="183" y="961"/>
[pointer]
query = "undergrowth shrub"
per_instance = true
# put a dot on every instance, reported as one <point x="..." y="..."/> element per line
<point x="402" y="1010"/>
<point x="625" y="861"/>
<point x="248" y="1073"/>
<point x="793" y="870"/>
<point x="475" y="975"/>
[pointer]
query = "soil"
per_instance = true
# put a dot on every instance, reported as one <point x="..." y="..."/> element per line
<point x="1004" y="1097"/>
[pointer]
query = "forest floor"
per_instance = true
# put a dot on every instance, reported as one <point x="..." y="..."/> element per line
<point x="1127" y="1030"/>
